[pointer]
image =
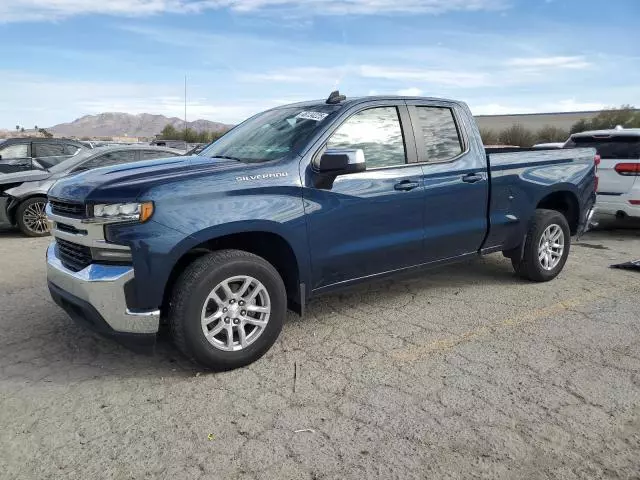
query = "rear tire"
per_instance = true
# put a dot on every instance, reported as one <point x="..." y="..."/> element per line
<point x="31" y="217"/>
<point x="546" y="248"/>
<point x="210" y="305"/>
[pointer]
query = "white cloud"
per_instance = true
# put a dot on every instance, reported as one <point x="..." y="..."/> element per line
<point x="428" y="76"/>
<point x="410" y="92"/>
<point x="334" y="75"/>
<point x="563" y="105"/>
<point x="43" y="10"/>
<point x="364" y="7"/>
<point x="305" y="75"/>
<point x="549" y="62"/>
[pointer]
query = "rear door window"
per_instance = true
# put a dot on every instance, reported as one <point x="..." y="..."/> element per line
<point x="107" y="159"/>
<point x="151" y="154"/>
<point x="620" y="147"/>
<point x="70" y="149"/>
<point x="48" y="149"/>
<point x="439" y="133"/>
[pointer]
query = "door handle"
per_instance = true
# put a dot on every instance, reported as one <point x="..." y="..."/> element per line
<point x="406" y="185"/>
<point x="472" y="178"/>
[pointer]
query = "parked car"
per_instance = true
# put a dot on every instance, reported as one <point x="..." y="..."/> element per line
<point x="177" y="144"/>
<point x="619" y="170"/>
<point x="197" y="148"/>
<point x="296" y="201"/>
<point x="23" y="194"/>
<point x="20" y="154"/>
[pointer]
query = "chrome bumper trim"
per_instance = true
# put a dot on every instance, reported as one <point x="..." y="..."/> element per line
<point x="103" y="287"/>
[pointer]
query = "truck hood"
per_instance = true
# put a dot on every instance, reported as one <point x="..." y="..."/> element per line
<point x="126" y="182"/>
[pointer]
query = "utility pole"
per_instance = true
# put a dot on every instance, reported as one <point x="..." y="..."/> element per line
<point x="185" y="108"/>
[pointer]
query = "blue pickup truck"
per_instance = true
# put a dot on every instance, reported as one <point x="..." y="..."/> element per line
<point x="297" y="201"/>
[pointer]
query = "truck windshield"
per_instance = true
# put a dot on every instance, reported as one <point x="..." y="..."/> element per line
<point x="271" y="135"/>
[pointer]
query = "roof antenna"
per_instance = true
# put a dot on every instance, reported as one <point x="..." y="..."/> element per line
<point x="335" y="98"/>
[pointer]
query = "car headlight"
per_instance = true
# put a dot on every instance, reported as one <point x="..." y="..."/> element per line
<point x="122" y="212"/>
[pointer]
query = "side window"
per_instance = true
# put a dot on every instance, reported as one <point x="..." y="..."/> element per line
<point x="111" y="158"/>
<point x="150" y="154"/>
<point x="48" y="149"/>
<point x="20" y="150"/>
<point x="439" y="134"/>
<point x="377" y="132"/>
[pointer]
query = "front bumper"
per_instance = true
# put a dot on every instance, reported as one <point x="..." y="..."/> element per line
<point x="5" y="220"/>
<point x="95" y="296"/>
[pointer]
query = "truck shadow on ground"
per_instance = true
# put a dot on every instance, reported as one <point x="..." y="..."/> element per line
<point x="65" y="352"/>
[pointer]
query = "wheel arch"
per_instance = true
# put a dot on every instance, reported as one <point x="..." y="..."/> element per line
<point x="15" y="205"/>
<point x="265" y="243"/>
<point x="566" y="202"/>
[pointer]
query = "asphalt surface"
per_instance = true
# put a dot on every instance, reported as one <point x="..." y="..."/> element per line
<point x="463" y="372"/>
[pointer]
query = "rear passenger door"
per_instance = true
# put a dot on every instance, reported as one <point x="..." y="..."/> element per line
<point x="369" y="222"/>
<point x="455" y="181"/>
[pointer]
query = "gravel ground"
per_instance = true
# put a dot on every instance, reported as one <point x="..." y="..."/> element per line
<point x="464" y="372"/>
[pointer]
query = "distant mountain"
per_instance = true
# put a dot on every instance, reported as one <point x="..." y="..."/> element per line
<point x="114" y="124"/>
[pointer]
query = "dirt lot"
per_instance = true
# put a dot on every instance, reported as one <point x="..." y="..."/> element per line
<point x="464" y="372"/>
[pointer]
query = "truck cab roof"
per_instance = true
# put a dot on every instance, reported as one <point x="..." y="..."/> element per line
<point x="348" y="102"/>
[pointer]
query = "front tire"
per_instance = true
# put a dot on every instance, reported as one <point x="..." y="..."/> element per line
<point x="227" y="309"/>
<point x="546" y="247"/>
<point x="31" y="217"/>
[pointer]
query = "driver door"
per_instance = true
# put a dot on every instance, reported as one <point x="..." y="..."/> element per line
<point x="370" y="222"/>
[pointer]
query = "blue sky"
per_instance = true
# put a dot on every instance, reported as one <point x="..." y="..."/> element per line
<point x="61" y="59"/>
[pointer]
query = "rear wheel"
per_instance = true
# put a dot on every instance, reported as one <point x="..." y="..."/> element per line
<point x="546" y="247"/>
<point x="227" y="309"/>
<point x="31" y="217"/>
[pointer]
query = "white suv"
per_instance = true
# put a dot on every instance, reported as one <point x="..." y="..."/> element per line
<point x="619" y="169"/>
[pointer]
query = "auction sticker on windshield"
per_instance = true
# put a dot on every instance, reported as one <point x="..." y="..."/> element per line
<point x="315" y="116"/>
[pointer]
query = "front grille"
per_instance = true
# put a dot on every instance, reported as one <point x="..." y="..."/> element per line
<point x="73" y="256"/>
<point x="68" y="209"/>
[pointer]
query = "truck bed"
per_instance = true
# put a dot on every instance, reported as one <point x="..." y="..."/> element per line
<point x="519" y="178"/>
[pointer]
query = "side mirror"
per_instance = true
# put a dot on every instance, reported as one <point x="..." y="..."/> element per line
<point x="341" y="162"/>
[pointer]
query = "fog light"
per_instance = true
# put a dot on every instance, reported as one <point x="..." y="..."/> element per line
<point x="103" y="255"/>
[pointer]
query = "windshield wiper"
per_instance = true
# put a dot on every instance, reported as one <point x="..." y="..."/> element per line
<point x="228" y="157"/>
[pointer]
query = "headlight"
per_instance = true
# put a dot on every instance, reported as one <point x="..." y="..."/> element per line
<point x="122" y="212"/>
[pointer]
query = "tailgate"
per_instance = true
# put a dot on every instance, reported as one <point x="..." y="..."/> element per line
<point x="619" y="159"/>
<point x="617" y="181"/>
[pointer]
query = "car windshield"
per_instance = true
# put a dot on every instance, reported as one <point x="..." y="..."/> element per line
<point x="271" y="135"/>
